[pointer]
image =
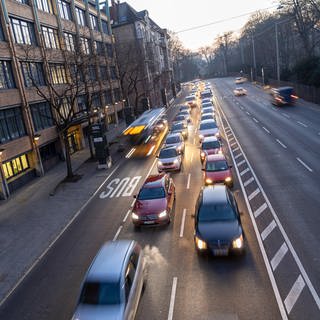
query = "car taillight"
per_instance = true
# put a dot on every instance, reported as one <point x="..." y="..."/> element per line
<point x="294" y="97"/>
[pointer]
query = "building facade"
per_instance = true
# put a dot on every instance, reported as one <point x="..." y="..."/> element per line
<point x="144" y="60"/>
<point x="42" y="43"/>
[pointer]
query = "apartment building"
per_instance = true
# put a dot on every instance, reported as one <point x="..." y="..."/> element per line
<point x="144" y="58"/>
<point x="38" y="39"/>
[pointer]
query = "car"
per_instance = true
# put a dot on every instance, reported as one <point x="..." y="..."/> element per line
<point x="208" y="128"/>
<point x="206" y="94"/>
<point x="186" y="115"/>
<point x="154" y="203"/>
<point x="180" y="118"/>
<point x="217" y="170"/>
<point x="175" y="140"/>
<point x="217" y="223"/>
<point x="207" y="104"/>
<point x="114" y="282"/>
<point x="240" y="91"/>
<point x="240" y="80"/>
<point x="206" y="100"/>
<point x="180" y="127"/>
<point x="210" y="145"/>
<point x="283" y="96"/>
<point x="191" y="100"/>
<point x="207" y="116"/>
<point x="207" y="110"/>
<point x="169" y="159"/>
<point x="184" y="108"/>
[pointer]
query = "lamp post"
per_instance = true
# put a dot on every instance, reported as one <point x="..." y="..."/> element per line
<point x="4" y="186"/>
<point x="36" y="138"/>
<point x="254" y="58"/>
<point x="277" y="53"/>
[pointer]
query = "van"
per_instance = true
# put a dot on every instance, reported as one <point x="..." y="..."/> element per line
<point x="283" y="96"/>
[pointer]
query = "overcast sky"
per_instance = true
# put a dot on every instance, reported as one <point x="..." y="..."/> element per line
<point x="177" y="15"/>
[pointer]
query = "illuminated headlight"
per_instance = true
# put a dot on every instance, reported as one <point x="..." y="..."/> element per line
<point x="217" y="134"/>
<point x="184" y="133"/>
<point x="162" y="214"/>
<point x="220" y="151"/>
<point x="237" y="243"/>
<point x="228" y="179"/>
<point x="201" y="245"/>
<point x="176" y="161"/>
<point x="209" y="181"/>
<point x="134" y="216"/>
<point x="160" y="163"/>
<point x="179" y="148"/>
<point x="201" y="136"/>
<point x="202" y="155"/>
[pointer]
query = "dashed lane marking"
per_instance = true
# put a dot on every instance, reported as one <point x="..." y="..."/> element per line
<point x="279" y="256"/>
<point x="281" y="144"/>
<point x="241" y="162"/>
<point x="246" y="183"/>
<point x="172" y="298"/>
<point x="183" y="222"/>
<point x="260" y="210"/>
<point x="294" y="293"/>
<point x="305" y="165"/>
<point x="265" y="233"/>
<point x="302" y="124"/>
<point x="266" y="130"/>
<point x="255" y="120"/>
<point x="253" y="194"/>
<point x="244" y="171"/>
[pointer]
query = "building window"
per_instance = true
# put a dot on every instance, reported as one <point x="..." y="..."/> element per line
<point x="48" y="151"/>
<point x="108" y="97"/>
<point x="1" y="32"/>
<point x="23" y="1"/>
<point x="94" y="22"/>
<point x="113" y="73"/>
<point x="44" y="5"/>
<point x="85" y="45"/>
<point x="6" y="75"/>
<point x="11" y="124"/>
<point x="51" y="38"/>
<point x="103" y="73"/>
<point x="33" y="74"/>
<point x="64" y="10"/>
<point x="58" y="73"/>
<point x="69" y="41"/>
<point x="99" y="47"/>
<point x="64" y="109"/>
<point x="117" y="94"/>
<point x="81" y="18"/>
<point x="23" y="31"/>
<point x="105" y="27"/>
<point x="15" y="166"/>
<point x="41" y="116"/>
<point x="92" y="73"/>
<point x="95" y="100"/>
<point x="109" y="50"/>
<point x="82" y="102"/>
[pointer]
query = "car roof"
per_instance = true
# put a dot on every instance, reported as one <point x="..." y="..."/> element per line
<point x="173" y="134"/>
<point x="215" y="157"/>
<point x="214" y="194"/>
<point x="210" y="138"/>
<point x="154" y="180"/>
<point x="109" y="261"/>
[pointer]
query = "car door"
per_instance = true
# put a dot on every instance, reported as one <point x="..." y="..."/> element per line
<point x="130" y="291"/>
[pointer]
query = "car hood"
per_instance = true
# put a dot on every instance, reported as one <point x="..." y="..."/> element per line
<point x="208" y="132"/>
<point x="166" y="160"/>
<point x="88" y="312"/>
<point x="218" y="175"/>
<point x="154" y="206"/>
<point x="219" y="230"/>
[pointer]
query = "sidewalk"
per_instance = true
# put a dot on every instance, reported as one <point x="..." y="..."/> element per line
<point x="29" y="219"/>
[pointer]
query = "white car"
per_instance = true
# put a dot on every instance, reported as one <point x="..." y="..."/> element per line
<point x="169" y="159"/>
<point x="208" y="128"/>
<point x="240" y="80"/>
<point x="175" y="140"/>
<point x="239" y="92"/>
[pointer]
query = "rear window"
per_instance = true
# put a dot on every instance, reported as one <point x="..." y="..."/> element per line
<point x="177" y="126"/>
<point x="170" y="140"/>
<point x="216" y="212"/>
<point x="151" y="193"/>
<point x="208" y="125"/>
<point x="167" y="153"/>
<point x="210" y="145"/>
<point x="217" y="165"/>
<point x="100" y="293"/>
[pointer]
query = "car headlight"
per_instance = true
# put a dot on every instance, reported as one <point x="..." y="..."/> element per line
<point x="217" y="134"/>
<point x="237" y="243"/>
<point x="201" y="245"/>
<point x="228" y="179"/>
<point x="162" y="214"/>
<point x="202" y="154"/>
<point x="160" y="163"/>
<point x="201" y="136"/>
<point x="134" y="216"/>
<point x="179" y="148"/>
<point x="209" y="181"/>
<point x="175" y="161"/>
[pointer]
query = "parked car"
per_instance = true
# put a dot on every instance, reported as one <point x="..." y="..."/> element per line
<point x="217" y="224"/>
<point x="210" y="145"/>
<point x="208" y="128"/>
<point x="217" y="170"/>
<point x="154" y="203"/>
<point x="175" y="140"/>
<point x="180" y="127"/>
<point x="113" y="284"/>
<point x="207" y="110"/>
<point x="169" y="159"/>
<point x="240" y="91"/>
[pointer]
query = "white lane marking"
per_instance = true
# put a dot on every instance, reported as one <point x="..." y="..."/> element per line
<point x="305" y="165"/>
<point x="132" y="203"/>
<point x="241" y="107"/>
<point x="274" y="108"/>
<point x="253" y="194"/>
<point x="241" y="162"/>
<point x="188" y="183"/>
<point x="260" y="210"/>
<point x="150" y="151"/>
<point x="191" y="158"/>
<point x="126" y="216"/>
<point x="244" y="171"/>
<point x="285" y="115"/>
<point x="172" y="298"/>
<point x="281" y="144"/>
<point x="233" y="144"/>
<point x="232" y="138"/>
<point x="266" y="130"/>
<point x="268" y="230"/>
<point x="294" y="293"/>
<point x="255" y="120"/>
<point x="182" y="222"/>
<point x="56" y="238"/>
<point x="238" y="155"/>
<point x="302" y="124"/>
<point x="235" y="149"/>
<point x="129" y="154"/>
<point x="248" y="113"/>
<point x="279" y="256"/>
<point x="246" y="183"/>
<point x="154" y="162"/>
<point x="117" y="234"/>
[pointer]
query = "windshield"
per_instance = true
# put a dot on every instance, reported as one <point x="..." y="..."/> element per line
<point x="151" y="193"/>
<point x="210" y="145"/>
<point x="168" y="153"/>
<point x="100" y="293"/>
<point x="173" y="140"/>
<point x="216" y="212"/>
<point x="207" y="116"/>
<point x="208" y="125"/>
<point x="179" y="118"/>
<point x="217" y="165"/>
<point x="178" y="126"/>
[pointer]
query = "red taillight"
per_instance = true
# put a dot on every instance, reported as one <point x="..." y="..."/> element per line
<point x="294" y="97"/>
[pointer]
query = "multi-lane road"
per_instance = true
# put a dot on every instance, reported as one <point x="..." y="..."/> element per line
<point x="275" y="154"/>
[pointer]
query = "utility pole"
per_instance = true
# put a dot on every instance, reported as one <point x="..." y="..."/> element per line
<point x="254" y="57"/>
<point x="277" y="54"/>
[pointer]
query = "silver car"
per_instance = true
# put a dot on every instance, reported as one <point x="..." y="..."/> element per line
<point x="208" y="128"/>
<point x="169" y="159"/>
<point x="113" y="284"/>
<point x="175" y="140"/>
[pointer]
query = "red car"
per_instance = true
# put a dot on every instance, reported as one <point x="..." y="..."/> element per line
<point x="209" y="145"/>
<point x="217" y="170"/>
<point x="155" y="201"/>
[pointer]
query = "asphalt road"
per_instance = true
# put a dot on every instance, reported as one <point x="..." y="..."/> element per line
<point x="180" y="284"/>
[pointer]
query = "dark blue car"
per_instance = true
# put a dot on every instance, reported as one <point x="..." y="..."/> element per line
<point x="283" y="96"/>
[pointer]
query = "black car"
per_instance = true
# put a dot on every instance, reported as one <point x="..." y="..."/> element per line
<point x="217" y="224"/>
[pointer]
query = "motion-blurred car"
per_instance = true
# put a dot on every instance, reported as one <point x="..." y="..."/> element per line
<point x="175" y="140"/>
<point x="180" y="127"/>
<point x="240" y="91"/>
<point x="217" y="223"/>
<point x="283" y="96"/>
<point x="113" y="285"/>
<point x="209" y="145"/>
<point x="208" y="128"/>
<point x="240" y="80"/>
<point x="217" y="170"/>
<point x="169" y="159"/>
<point x="155" y="201"/>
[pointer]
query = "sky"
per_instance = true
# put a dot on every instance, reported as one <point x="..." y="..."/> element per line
<point x="178" y="15"/>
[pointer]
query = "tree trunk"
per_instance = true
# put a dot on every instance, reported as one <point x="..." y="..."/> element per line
<point x="68" y="157"/>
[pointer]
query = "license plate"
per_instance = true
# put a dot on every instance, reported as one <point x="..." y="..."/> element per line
<point x="148" y="222"/>
<point x="220" y="252"/>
